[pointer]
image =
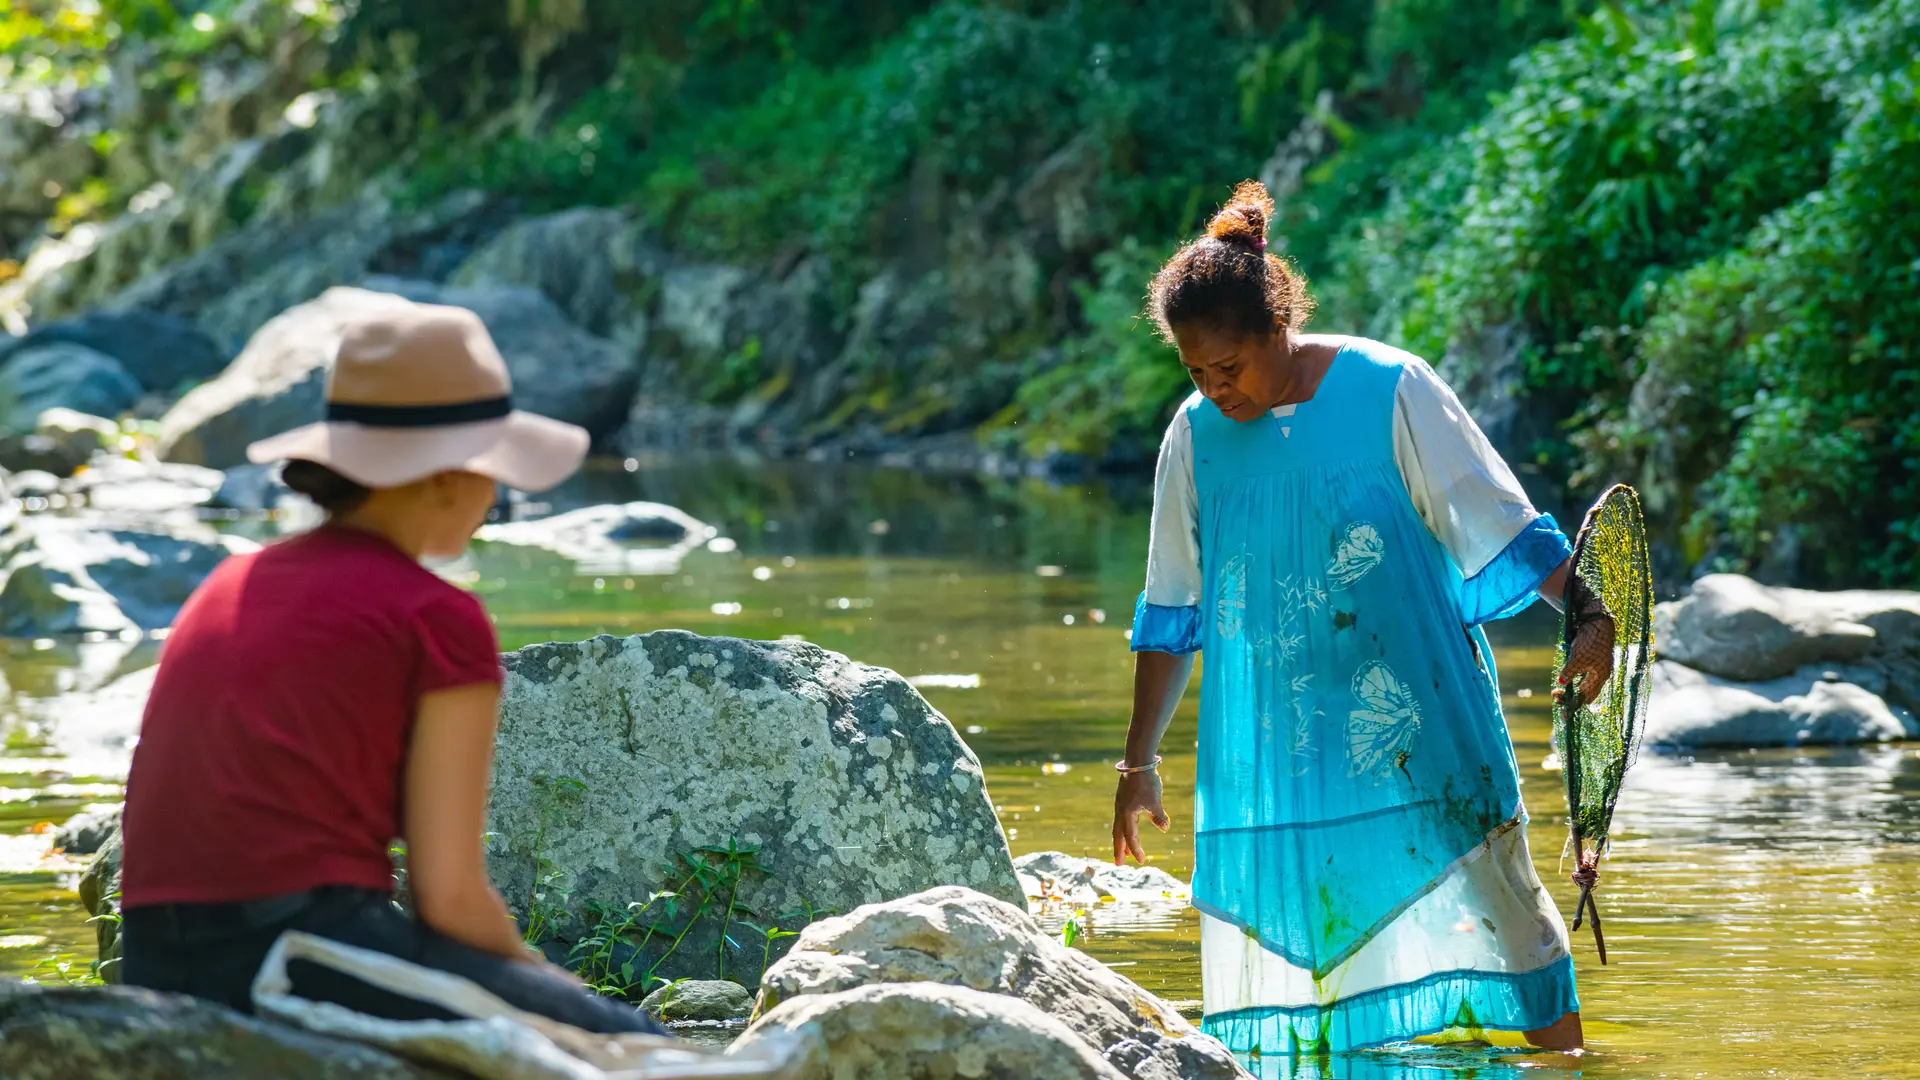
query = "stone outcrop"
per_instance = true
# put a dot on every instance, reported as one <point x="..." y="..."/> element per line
<point x="617" y="756"/>
<point x="959" y="938"/>
<point x="929" y="1032"/>
<point x="68" y="576"/>
<point x="1747" y="665"/>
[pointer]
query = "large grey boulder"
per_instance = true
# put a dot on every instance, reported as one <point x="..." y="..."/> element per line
<point x="278" y="381"/>
<point x="925" y="1031"/>
<point x="159" y="351"/>
<point x="74" y="576"/>
<point x="958" y="937"/>
<point x="86" y="833"/>
<point x="1814" y="705"/>
<point x="124" y="1033"/>
<point x="591" y="261"/>
<point x="851" y="787"/>
<point x="1736" y="628"/>
<point x="61" y="374"/>
<point x="559" y="370"/>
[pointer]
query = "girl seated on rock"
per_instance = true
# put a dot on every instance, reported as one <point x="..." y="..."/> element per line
<point x="328" y="694"/>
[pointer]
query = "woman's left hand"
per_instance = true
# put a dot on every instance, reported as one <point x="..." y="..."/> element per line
<point x="1589" y="662"/>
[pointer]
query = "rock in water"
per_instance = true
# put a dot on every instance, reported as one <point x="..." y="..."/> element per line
<point x="159" y="351"/>
<point x="1815" y="705"/>
<point x="699" y="999"/>
<point x="123" y="1033"/>
<point x="61" y="441"/>
<point x="850" y="785"/>
<point x="1055" y="875"/>
<point x="960" y="938"/>
<point x="86" y="833"/>
<point x="277" y="381"/>
<point x="62" y="375"/>
<point x="67" y="576"/>
<point x="1737" y="628"/>
<point x="100" y="895"/>
<point x="930" y="1032"/>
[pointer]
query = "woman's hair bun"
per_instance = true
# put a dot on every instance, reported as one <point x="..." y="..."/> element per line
<point x="1243" y="221"/>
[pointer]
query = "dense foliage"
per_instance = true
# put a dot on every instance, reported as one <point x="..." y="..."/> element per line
<point x="1695" y="216"/>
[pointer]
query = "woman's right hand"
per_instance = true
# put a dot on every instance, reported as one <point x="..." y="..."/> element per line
<point x="1138" y="793"/>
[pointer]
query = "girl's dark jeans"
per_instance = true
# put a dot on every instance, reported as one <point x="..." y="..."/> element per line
<point x="213" y="951"/>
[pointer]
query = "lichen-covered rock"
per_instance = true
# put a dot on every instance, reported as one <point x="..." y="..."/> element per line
<point x="73" y="576"/>
<point x="852" y="788"/>
<point x="1057" y="876"/>
<point x="592" y="261"/>
<point x="1815" y="705"/>
<point x="699" y="1000"/>
<point x="959" y="937"/>
<point x="124" y="1033"/>
<point x="924" y="1031"/>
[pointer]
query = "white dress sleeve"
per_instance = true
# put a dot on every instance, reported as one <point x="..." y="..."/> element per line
<point x="1173" y="553"/>
<point x="1462" y="489"/>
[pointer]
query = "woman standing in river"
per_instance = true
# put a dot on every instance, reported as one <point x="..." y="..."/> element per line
<point x="1331" y="528"/>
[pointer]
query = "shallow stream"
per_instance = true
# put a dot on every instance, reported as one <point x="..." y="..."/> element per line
<point x="1760" y="907"/>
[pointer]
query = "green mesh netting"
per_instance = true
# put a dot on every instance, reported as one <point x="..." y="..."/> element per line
<point x="1596" y="730"/>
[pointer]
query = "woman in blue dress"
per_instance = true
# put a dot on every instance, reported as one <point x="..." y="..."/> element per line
<point x="1331" y="529"/>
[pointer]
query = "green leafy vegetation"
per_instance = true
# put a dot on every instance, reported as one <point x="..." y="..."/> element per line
<point x="1688" y="214"/>
<point x="625" y="946"/>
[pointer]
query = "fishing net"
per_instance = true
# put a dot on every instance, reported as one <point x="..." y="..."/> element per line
<point x="1599" y="715"/>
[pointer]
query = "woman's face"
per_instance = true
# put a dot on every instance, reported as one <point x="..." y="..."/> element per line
<point x="1244" y="377"/>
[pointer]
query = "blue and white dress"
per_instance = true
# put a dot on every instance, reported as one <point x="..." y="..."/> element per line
<point x="1361" y="863"/>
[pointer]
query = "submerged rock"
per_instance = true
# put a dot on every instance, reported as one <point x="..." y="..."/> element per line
<point x="124" y="1033"/>
<point x="699" y="1000"/>
<point x="616" y="756"/>
<point x="1057" y="876"/>
<point x="74" y="576"/>
<point x="928" y="1032"/>
<point x="634" y="538"/>
<point x="1815" y="705"/>
<point x="960" y="938"/>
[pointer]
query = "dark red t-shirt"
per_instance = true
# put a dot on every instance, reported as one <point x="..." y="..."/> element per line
<point x="271" y="754"/>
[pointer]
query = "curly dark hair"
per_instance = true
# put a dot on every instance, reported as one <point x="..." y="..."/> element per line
<point x="1227" y="280"/>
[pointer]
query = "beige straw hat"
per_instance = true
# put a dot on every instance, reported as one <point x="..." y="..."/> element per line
<point x="419" y="389"/>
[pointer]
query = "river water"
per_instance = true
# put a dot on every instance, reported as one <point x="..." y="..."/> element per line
<point x="1758" y="905"/>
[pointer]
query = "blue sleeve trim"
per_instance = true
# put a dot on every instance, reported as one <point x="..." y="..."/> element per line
<point x="1165" y="629"/>
<point x="1511" y="582"/>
